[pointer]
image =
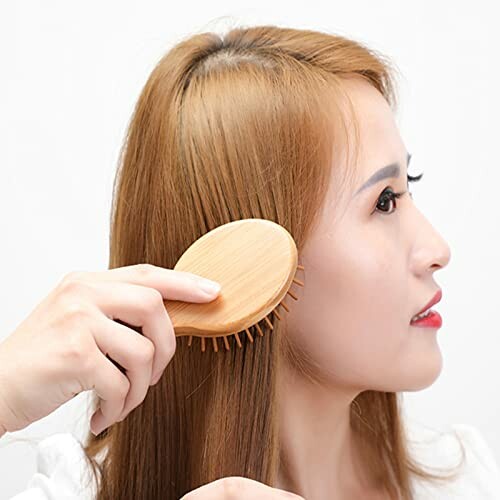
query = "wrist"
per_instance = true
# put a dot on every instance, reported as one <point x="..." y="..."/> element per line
<point x="3" y="411"/>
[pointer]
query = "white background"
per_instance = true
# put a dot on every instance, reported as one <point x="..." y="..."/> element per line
<point x="71" y="73"/>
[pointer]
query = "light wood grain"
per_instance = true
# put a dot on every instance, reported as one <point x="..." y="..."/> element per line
<point x="255" y="261"/>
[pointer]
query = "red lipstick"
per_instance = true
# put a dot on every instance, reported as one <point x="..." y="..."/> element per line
<point x="432" y="319"/>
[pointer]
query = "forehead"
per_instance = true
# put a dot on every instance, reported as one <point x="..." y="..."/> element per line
<point x="377" y="136"/>
<point x="372" y="140"/>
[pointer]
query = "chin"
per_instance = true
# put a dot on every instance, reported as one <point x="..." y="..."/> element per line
<point x="423" y="374"/>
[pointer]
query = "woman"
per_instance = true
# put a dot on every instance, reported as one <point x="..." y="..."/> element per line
<point x="295" y="126"/>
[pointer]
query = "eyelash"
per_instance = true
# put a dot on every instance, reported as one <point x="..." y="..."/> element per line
<point x="389" y="194"/>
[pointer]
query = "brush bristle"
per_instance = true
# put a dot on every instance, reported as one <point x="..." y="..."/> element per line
<point x="247" y="331"/>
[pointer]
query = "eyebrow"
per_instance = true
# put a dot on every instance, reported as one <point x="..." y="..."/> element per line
<point x="389" y="171"/>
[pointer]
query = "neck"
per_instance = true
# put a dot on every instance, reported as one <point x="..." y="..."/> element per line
<point x="318" y="452"/>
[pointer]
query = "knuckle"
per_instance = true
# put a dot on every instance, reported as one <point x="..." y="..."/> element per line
<point x="77" y="350"/>
<point x="153" y="300"/>
<point x="144" y="269"/>
<point x="73" y="276"/>
<point x="127" y="410"/>
<point x="75" y="311"/>
<point x="126" y="406"/>
<point x="171" y="339"/>
<point x="122" y="417"/>
<point x="188" y="496"/>
<point x="131" y="405"/>
<point x="170" y="347"/>
<point x="232" y="487"/>
<point x="72" y="286"/>
<point x="123" y="388"/>
<point x="146" y="353"/>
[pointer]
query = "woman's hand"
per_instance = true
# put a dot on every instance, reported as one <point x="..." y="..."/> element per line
<point x="64" y="346"/>
<point x="238" y="488"/>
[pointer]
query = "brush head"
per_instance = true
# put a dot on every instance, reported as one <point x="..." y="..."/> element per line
<point x="254" y="260"/>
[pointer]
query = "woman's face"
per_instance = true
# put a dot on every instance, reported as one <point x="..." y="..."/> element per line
<point x="369" y="267"/>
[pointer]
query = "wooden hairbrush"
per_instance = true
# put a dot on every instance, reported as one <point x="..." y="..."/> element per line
<point x="255" y="261"/>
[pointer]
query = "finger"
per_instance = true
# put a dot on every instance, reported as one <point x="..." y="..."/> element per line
<point x="141" y="307"/>
<point x="173" y="285"/>
<point x="238" y="487"/>
<point x="133" y="353"/>
<point x="112" y="387"/>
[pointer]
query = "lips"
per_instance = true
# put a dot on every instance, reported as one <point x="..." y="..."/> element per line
<point x="437" y="297"/>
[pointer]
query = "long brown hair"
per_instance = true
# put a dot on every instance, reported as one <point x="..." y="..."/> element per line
<point x="230" y="127"/>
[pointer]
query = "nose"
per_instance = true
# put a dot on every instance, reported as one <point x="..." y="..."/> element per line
<point x="432" y="252"/>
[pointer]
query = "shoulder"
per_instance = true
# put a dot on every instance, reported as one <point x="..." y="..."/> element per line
<point x="62" y="471"/>
<point x="457" y="445"/>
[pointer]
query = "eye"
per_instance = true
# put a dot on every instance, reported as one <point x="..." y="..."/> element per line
<point x="388" y="196"/>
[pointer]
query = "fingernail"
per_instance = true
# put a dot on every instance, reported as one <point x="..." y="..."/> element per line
<point x="208" y="286"/>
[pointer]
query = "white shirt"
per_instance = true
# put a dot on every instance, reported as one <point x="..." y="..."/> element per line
<point x="62" y="472"/>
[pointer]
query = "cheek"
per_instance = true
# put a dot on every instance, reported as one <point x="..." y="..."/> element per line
<point x="351" y="313"/>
